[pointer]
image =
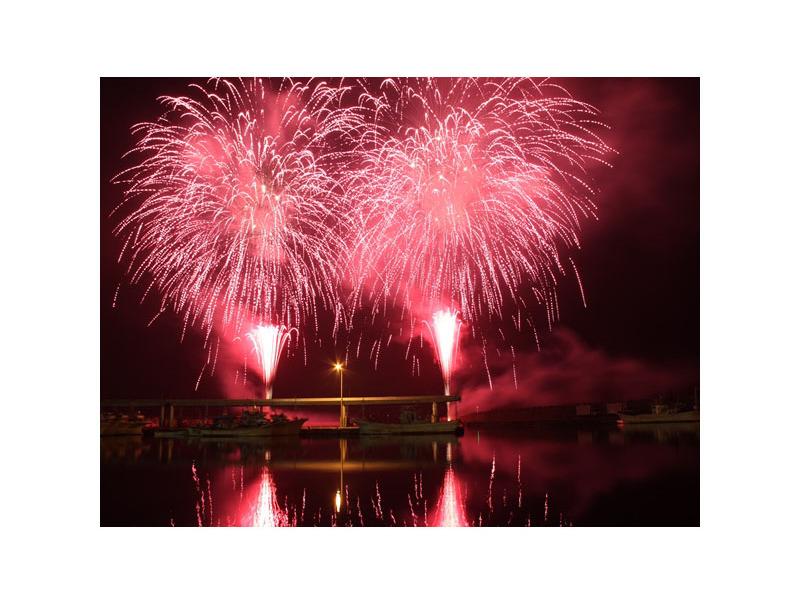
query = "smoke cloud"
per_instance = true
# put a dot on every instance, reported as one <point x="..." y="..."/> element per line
<point x="568" y="371"/>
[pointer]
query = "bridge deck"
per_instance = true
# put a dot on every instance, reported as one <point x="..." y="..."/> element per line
<point x="283" y="402"/>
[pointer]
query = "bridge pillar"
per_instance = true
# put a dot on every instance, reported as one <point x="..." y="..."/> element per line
<point x="171" y="415"/>
<point x="161" y="420"/>
<point x="435" y="413"/>
<point x="343" y="417"/>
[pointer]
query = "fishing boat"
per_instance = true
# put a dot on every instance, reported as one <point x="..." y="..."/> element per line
<point x="117" y="425"/>
<point x="662" y="413"/>
<point x="409" y="424"/>
<point x="250" y="424"/>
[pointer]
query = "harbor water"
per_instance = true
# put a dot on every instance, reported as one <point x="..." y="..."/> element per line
<point x="642" y="475"/>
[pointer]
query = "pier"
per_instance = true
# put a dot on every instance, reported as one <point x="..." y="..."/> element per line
<point x="168" y="406"/>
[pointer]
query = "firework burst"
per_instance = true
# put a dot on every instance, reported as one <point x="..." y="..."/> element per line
<point x="230" y="213"/>
<point x="471" y="194"/>
<point x="250" y="196"/>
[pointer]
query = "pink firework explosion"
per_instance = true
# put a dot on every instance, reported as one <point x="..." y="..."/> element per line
<point x="473" y="189"/>
<point x="233" y="201"/>
<point x="250" y="195"/>
<point x="230" y="213"/>
<point x="471" y="194"/>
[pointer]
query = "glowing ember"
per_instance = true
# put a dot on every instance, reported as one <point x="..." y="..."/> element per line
<point x="268" y="341"/>
<point x="445" y="331"/>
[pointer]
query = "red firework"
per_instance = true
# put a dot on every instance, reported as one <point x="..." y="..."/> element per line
<point x="230" y="213"/>
<point x="463" y="193"/>
<point x="233" y="201"/>
<point x="471" y="194"/>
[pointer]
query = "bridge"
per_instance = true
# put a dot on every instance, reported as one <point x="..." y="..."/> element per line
<point x="285" y="403"/>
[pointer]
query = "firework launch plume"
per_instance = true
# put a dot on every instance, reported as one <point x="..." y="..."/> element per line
<point x="445" y="333"/>
<point x="268" y="341"/>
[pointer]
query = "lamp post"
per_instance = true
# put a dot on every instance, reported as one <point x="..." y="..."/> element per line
<point x="342" y="418"/>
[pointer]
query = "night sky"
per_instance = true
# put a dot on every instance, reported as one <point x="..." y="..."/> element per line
<point x="640" y="267"/>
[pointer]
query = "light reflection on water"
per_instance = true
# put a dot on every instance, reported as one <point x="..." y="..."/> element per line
<point x="497" y="477"/>
<point x="451" y="507"/>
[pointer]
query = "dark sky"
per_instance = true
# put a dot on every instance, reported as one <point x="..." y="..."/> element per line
<point x="639" y="263"/>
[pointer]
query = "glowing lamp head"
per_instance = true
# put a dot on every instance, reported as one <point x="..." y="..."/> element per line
<point x="338" y="366"/>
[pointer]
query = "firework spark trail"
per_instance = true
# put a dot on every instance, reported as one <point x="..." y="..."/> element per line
<point x="378" y="507"/>
<point x="200" y="505"/>
<point x="470" y="194"/>
<point x="232" y="214"/>
<point x="545" y="506"/>
<point x="413" y="513"/>
<point x="489" y="496"/>
<point x="210" y="503"/>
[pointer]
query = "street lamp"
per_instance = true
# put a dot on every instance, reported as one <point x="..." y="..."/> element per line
<point x="342" y="419"/>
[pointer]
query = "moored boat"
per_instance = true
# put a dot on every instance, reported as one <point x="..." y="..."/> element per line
<point x="250" y="424"/>
<point x="373" y="428"/>
<point x="116" y="425"/>
<point x="662" y="414"/>
<point x="409" y="424"/>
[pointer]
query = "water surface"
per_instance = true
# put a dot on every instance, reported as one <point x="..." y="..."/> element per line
<point x="501" y="476"/>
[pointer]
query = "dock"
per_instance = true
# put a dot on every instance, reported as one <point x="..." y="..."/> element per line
<point x="168" y="406"/>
